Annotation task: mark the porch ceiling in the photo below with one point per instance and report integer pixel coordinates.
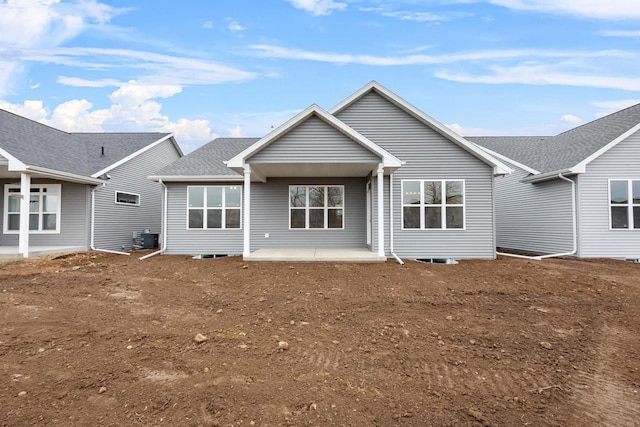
(307, 170)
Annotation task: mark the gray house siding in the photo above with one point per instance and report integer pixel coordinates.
(428, 155)
(533, 218)
(314, 141)
(194, 242)
(73, 217)
(596, 239)
(115, 223)
(270, 214)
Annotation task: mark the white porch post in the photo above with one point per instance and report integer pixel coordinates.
(25, 197)
(246, 251)
(380, 210)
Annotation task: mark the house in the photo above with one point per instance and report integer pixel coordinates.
(75, 191)
(372, 176)
(576, 193)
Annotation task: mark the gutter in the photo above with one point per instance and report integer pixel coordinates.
(93, 224)
(391, 220)
(553, 175)
(164, 225)
(574, 226)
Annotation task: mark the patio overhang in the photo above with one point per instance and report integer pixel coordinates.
(263, 171)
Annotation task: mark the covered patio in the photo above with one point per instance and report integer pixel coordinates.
(363, 255)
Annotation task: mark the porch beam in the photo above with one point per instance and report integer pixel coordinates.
(380, 185)
(25, 197)
(246, 249)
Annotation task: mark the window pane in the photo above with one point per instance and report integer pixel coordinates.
(297, 197)
(335, 198)
(33, 221)
(432, 192)
(232, 196)
(214, 218)
(298, 218)
(14, 203)
(411, 193)
(619, 192)
(232, 218)
(316, 218)
(214, 197)
(433, 217)
(50, 203)
(196, 197)
(50, 190)
(454, 193)
(619, 217)
(195, 218)
(49, 221)
(34, 204)
(14, 190)
(411, 217)
(636, 217)
(316, 197)
(14, 222)
(455, 217)
(131, 199)
(636, 192)
(335, 218)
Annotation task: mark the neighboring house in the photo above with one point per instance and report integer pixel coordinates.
(74, 191)
(373, 172)
(574, 193)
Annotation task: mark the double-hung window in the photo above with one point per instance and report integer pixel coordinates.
(312, 206)
(624, 203)
(211, 207)
(433, 204)
(44, 208)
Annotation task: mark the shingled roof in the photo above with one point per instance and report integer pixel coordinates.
(39, 145)
(566, 150)
(208, 159)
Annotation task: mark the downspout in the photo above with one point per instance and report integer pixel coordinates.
(391, 220)
(164, 225)
(93, 224)
(575, 230)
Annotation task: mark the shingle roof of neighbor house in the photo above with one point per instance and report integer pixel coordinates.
(563, 151)
(208, 159)
(35, 144)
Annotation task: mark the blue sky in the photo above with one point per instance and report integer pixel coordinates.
(208, 68)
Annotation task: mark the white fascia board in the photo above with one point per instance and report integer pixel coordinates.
(553, 175)
(608, 147)
(14, 164)
(498, 167)
(508, 160)
(137, 153)
(389, 160)
(199, 178)
(64, 176)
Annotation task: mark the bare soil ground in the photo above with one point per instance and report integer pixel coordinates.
(99, 339)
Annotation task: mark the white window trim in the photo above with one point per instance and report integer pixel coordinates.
(115, 198)
(325, 208)
(5, 223)
(444, 205)
(629, 205)
(223, 208)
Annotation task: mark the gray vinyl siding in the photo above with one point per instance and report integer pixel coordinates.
(596, 239)
(115, 223)
(534, 218)
(270, 214)
(74, 206)
(314, 141)
(194, 242)
(428, 155)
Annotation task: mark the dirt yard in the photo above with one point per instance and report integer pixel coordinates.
(99, 339)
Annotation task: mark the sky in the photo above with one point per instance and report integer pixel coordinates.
(229, 68)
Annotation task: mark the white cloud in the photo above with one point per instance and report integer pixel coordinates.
(609, 107)
(612, 33)
(32, 109)
(473, 131)
(235, 26)
(131, 94)
(318, 7)
(79, 82)
(75, 116)
(610, 9)
(543, 75)
(414, 16)
(236, 132)
(571, 119)
(208, 25)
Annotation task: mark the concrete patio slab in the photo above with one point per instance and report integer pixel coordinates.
(315, 255)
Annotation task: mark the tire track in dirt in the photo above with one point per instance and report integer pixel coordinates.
(599, 391)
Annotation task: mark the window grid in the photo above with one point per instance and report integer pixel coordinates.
(223, 208)
(422, 205)
(325, 208)
(44, 209)
(629, 207)
(124, 198)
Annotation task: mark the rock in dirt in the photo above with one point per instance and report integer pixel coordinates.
(283, 345)
(22, 393)
(545, 344)
(475, 413)
(102, 390)
(199, 338)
